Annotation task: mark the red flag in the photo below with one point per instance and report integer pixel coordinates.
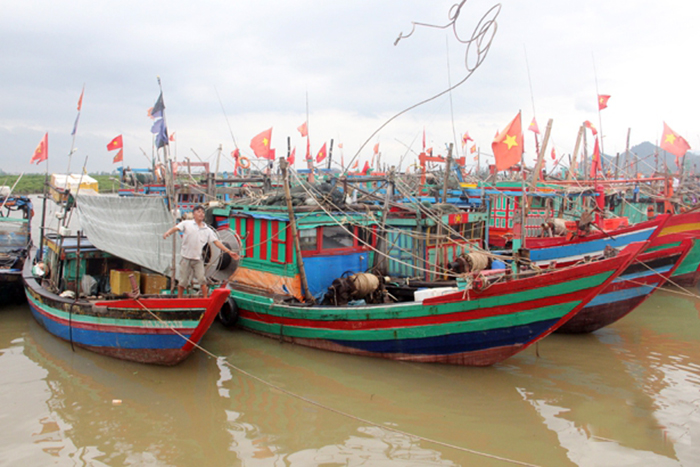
(80, 101)
(340, 145)
(376, 148)
(365, 169)
(673, 142)
(172, 137)
(260, 145)
(466, 138)
(41, 153)
(590, 126)
(119, 157)
(321, 153)
(508, 145)
(473, 149)
(423, 139)
(533, 127)
(602, 101)
(429, 151)
(303, 129)
(355, 165)
(595, 159)
(292, 156)
(554, 155)
(116, 143)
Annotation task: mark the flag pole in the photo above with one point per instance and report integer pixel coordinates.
(600, 118)
(309, 159)
(532, 99)
(75, 129)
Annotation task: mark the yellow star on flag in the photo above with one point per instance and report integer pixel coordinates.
(671, 138)
(510, 141)
(266, 142)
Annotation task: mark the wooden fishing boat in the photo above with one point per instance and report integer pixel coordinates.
(153, 328)
(15, 241)
(673, 247)
(480, 326)
(650, 270)
(279, 283)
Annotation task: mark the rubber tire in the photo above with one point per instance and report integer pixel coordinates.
(228, 314)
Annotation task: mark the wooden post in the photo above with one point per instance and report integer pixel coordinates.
(540, 156)
(380, 258)
(330, 154)
(572, 166)
(448, 166)
(293, 231)
(627, 155)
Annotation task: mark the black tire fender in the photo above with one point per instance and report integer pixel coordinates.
(228, 314)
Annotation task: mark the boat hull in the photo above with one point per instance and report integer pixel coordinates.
(161, 331)
(11, 287)
(639, 280)
(470, 327)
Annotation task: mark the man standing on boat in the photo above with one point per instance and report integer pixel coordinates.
(195, 234)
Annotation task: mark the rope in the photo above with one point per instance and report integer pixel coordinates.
(328, 408)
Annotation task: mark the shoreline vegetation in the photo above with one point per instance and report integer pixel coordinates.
(32, 184)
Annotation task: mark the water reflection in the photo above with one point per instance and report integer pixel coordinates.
(626, 395)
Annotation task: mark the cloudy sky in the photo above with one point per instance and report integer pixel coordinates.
(231, 69)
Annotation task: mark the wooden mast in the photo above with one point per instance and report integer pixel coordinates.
(572, 166)
(293, 231)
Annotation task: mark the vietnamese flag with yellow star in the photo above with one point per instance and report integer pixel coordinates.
(673, 142)
(322, 153)
(260, 145)
(41, 153)
(508, 145)
(116, 143)
(603, 101)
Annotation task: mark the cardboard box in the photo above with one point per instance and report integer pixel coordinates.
(153, 283)
(119, 280)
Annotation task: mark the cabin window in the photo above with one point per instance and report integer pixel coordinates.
(307, 239)
(365, 236)
(538, 202)
(336, 237)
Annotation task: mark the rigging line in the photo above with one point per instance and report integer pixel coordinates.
(481, 38)
(529, 80)
(342, 226)
(342, 413)
(235, 145)
(438, 268)
(449, 85)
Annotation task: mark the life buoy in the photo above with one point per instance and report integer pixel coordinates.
(244, 162)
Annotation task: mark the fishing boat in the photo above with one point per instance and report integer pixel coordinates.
(106, 303)
(654, 267)
(484, 320)
(15, 241)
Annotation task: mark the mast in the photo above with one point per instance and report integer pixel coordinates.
(627, 154)
(448, 164)
(572, 165)
(293, 231)
(540, 156)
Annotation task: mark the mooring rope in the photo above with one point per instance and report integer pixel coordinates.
(326, 407)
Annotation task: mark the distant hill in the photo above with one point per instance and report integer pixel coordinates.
(648, 162)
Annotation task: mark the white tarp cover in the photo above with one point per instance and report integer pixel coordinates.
(131, 228)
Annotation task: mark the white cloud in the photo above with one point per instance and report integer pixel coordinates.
(264, 57)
